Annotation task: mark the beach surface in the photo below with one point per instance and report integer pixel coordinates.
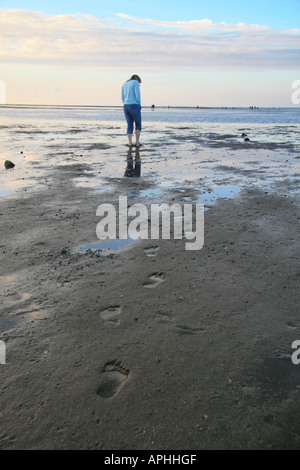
(152, 346)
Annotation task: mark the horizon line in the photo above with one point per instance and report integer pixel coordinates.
(3, 105)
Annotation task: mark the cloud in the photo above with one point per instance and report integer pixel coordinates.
(29, 37)
(194, 25)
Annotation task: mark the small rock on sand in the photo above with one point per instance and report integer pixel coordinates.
(8, 164)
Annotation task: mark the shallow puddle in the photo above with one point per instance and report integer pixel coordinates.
(110, 245)
(17, 298)
(144, 193)
(8, 324)
(16, 320)
(222, 191)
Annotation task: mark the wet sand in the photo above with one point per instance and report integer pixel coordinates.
(151, 347)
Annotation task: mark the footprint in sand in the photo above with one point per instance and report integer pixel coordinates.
(151, 251)
(291, 325)
(186, 329)
(114, 376)
(110, 315)
(154, 280)
(163, 317)
(166, 318)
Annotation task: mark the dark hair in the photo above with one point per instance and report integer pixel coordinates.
(135, 77)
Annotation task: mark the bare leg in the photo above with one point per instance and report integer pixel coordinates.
(137, 137)
(129, 139)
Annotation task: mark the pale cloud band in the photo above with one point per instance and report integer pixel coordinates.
(112, 43)
(195, 26)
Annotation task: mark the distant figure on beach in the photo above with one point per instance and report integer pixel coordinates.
(131, 98)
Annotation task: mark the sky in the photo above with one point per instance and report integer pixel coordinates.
(187, 53)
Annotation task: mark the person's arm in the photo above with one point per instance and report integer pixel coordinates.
(137, 92)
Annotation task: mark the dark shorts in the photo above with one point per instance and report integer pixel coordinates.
(133, 116)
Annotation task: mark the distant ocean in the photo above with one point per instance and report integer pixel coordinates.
(157, 114)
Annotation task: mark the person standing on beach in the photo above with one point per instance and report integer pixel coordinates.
(131, 98)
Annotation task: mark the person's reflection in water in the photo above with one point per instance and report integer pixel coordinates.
(133, 168)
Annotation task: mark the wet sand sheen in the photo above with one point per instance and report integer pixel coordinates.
(153, 346)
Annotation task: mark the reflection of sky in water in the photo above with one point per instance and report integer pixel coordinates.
(219, 192)
(110, 245)
(173, 153)
(144, 193)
